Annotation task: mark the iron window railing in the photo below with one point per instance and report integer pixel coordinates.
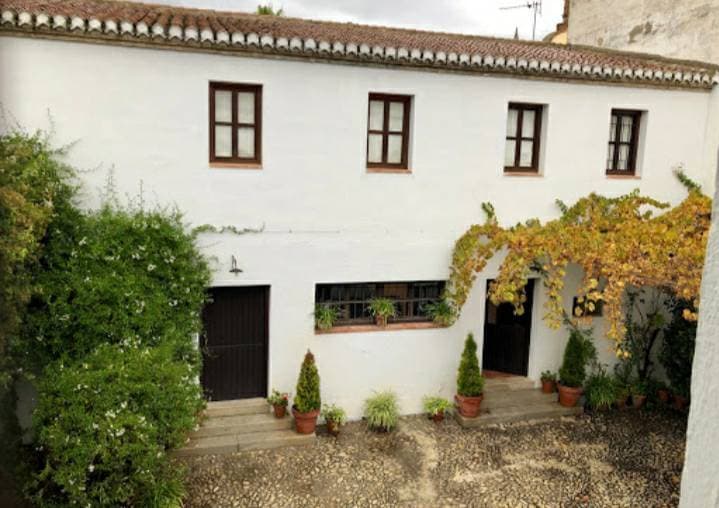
(352, 299)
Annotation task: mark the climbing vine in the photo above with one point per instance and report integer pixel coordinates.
(631, 241)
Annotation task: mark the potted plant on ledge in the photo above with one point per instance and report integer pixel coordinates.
(382, 309)
(549, 381)
(440, 312)
(335, 417)
(325, 316)
(278, 401)
(307, 402)
(470, 383)
(573, 370)
(639, 394)
(436, 407)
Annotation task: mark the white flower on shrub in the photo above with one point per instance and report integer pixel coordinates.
(82, 241)
(151, 267)
(91, 468)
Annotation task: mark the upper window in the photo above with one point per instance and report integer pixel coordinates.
(352, 300)
(388, 131)
(521, 149)
(235, 123)
(623, 142)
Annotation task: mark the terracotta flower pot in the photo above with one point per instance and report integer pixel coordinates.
(680, 402)
(468, 406)
(638, 400)
(569, 396)
(333, 428)
(548, 386)
(380, 321)
(280, 411)
(305, 423)
(438, 417)
(622, 401)
(663, 395)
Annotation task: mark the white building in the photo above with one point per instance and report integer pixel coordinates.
(262, 123)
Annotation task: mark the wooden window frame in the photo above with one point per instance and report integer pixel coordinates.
(234, 123)
(518, 138)
(406, 100)
(633, 143)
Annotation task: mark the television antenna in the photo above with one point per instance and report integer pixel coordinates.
(534, 5)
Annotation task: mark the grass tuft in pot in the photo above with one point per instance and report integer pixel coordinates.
(441, 312)
(382, 309)
(325, 316)
(335, 417)
(382, 411)
(601, 390)
(436, 407)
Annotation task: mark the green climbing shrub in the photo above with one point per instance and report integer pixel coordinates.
(470, 382)
(574, 364)
(307, 392)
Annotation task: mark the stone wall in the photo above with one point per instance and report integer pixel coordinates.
(683, 29)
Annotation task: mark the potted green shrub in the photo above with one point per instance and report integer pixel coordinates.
(382, 309)
(441, 312)
(436, 407)
(601, 390)
(622, 395)
(325, 316)
(307, 402)
(573, 370)
(470, 383)
(549, 381)
(278, 401)
(335, 417)
(639, 394)
(382, 411)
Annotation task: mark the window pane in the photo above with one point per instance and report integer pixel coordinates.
(223, 106)
(610, 157)
(512, 118)
(626, 131)
(528, 123)
(376, 115)
(246, 107)
(623, 163)
(613, 129)
(509, 149)
(246, 142)
(223, 141)
(396, 116)
(525, 154)
(374, 148)
(394, 149)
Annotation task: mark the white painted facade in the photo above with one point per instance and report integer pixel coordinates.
(144, 114)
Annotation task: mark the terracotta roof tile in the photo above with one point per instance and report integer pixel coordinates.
(486, 54)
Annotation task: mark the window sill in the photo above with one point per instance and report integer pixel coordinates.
(623, 177)
(389, 170)
(535, 174)
(422, 325)
(235, 165)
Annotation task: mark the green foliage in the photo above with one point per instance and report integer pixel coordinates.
(441, 312)
(548, 375)
(308, 386)
(34, 187)
(639, 387)
(433, 405)
(268, 10)
(382, 308)
(576, 355)
(677, 354)
(382, 411)
(334, 413)
(113, 276)
(278, 399)
(325, 316)
(601, 390)
(105, 423)
(470, 381)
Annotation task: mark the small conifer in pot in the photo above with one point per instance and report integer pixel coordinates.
(307, 402)
(470, 382)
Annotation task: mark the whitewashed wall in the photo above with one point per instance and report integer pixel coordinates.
(143, 113)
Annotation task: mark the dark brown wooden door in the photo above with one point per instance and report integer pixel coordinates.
(506, 336)
(234, 348)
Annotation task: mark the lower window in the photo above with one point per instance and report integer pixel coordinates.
(352, 300)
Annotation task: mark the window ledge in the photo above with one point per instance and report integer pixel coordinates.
(535, 174)
(235, 165)
(422, 325)
(623, 177)
(389, 170)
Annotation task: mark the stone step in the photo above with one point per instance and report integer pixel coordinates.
(517, 398)
(237, 407)
(241, 424)
(508, 383)
(239, 442)
(516, 414)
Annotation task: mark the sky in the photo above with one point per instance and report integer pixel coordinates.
(477, 17)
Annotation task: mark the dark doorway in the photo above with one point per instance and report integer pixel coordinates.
(506, 336)
(234, 348)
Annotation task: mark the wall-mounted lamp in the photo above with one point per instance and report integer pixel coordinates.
(233, 268)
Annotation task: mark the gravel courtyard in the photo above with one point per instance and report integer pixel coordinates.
(630, 458)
